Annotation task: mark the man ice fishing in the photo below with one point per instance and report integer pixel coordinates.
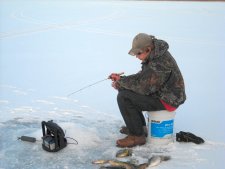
(158, 86)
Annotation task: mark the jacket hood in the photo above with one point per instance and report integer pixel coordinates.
(161, 47)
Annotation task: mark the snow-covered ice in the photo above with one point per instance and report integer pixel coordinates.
(49, 49)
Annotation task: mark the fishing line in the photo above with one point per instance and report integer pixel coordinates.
(87, 87)
(110, 77)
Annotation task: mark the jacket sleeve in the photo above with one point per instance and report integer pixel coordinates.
(145, 82)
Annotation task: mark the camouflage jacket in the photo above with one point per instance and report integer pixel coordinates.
(159, 77)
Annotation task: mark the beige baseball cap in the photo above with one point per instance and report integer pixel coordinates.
(140, 42)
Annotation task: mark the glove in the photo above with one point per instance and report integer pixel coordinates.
(188, 137)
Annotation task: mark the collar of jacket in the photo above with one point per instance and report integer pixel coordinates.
(161, 47)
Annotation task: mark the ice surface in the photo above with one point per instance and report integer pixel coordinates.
(49, 49)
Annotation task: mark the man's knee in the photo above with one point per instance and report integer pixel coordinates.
(123, 94)
(120, 96)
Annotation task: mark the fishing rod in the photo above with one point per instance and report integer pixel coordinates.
(94, 84)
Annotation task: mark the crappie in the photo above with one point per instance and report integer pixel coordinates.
(124, 153)
(126, 165)
(115, 164)
(143, 166)
(156, 160)
(111, 167)
(100, 161)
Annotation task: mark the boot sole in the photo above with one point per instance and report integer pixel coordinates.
(134, 145)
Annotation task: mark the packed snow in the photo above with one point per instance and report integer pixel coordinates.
(49, 49)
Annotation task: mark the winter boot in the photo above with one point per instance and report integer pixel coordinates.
(131, 141)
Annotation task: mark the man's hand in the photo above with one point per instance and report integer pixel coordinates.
(115, 76)
(115, 85)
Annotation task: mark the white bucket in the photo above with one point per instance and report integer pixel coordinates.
(160, 127)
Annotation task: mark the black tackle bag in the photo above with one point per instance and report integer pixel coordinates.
(53, 137)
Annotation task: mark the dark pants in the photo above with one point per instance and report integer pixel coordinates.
(131, 105)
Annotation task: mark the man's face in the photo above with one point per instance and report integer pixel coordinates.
(143, 55)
